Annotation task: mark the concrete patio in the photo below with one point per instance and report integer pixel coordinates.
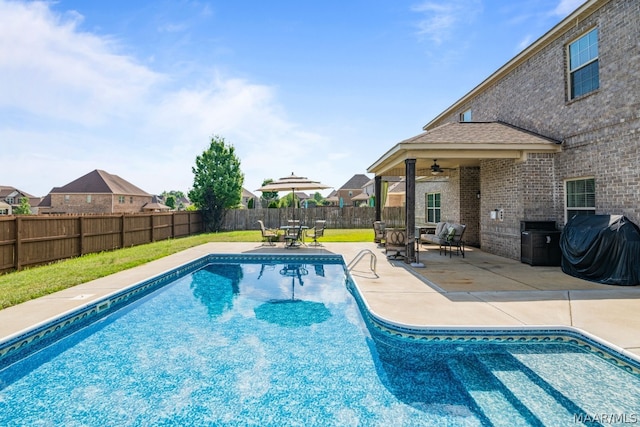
(480, 290)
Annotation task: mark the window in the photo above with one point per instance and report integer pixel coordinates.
(466, 116)
(433, 207)
(131, 199)
(10, 200)
(581, 197)
(88, 198)
(66, 198)
(584, 74)
(120, 199)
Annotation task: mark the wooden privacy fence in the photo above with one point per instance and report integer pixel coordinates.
(336, 217)
(38, 239)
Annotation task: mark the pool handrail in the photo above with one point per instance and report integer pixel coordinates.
(372, 260)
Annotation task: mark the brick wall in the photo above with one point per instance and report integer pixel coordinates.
(99, 203)
(599, 132)
(458, 190)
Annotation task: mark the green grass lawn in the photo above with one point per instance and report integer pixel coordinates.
(21, 286)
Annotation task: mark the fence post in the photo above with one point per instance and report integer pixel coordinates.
(122, 230)
(81, 243)
(18, 246)
(153, 227)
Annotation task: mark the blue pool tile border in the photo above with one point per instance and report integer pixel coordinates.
(31, 340)
(500, 335)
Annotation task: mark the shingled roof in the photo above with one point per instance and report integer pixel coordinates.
(475, 133)
(458, 144)
(356, 182)
(100, 182)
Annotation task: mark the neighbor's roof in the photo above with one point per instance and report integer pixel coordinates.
(6, 190)
(247, 193)
(356, 182)
(155, 205)
(101, 182)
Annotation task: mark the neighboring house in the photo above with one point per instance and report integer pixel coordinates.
(248, 195)
(396, 194)
(10, 198)
(348, 191)
(97, 192)
(156, 205)
(5, 208)
(551, 134)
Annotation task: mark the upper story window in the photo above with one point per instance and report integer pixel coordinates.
(88, 198)
(581, 197)
(466, 116)
(120, 199)
(584, 74)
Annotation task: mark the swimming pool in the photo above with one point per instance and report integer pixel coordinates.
(262, 340)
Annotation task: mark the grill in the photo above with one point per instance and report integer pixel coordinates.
(540, 243)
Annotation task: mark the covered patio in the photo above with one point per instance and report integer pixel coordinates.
(461, 150)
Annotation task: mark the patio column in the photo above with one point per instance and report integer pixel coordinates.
(378, 193)
(410, 207)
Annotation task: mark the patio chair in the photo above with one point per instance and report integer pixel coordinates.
(454, 239)
(293, 234)
(315, 232)
(269, 235)
(395, 240)
(378, 233)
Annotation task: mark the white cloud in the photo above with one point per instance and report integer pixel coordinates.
(565, 7)
(52, 70)
(442, 18)
(82, 104)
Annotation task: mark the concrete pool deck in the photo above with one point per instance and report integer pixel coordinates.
(480, 290)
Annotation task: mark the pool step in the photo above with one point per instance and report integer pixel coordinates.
(489, 394)
(547, 404)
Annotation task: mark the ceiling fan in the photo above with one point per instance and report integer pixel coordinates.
(435, 168)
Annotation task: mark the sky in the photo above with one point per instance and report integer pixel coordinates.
(321, 89)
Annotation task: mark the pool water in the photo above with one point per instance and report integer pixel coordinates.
(285, 343)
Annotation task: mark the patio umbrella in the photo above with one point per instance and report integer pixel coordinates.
(293, 183)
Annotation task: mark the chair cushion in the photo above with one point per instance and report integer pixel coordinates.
(451, 232)
(459, 230)
(442, 229)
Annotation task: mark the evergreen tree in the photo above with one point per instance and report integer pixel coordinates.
(217, 183)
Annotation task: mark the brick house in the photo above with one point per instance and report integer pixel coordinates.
(11, 197)
(352, 188)
(97, 192)
(552, 133)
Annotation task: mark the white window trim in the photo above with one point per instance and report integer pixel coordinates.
(570, 71)
(566, 208)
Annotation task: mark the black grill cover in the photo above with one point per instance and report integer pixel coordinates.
(602, 248)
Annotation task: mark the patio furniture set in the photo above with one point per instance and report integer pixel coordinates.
(395, 240)
(292, 234)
